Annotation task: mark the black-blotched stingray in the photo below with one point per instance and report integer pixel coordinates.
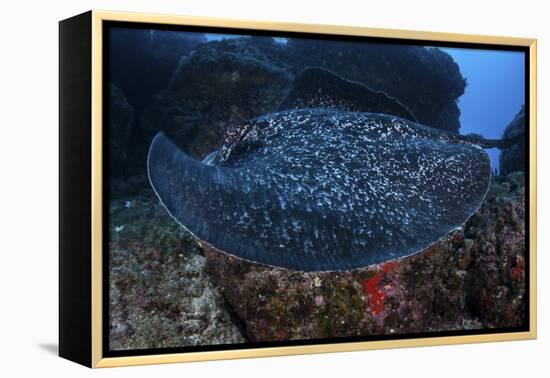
(340, 178)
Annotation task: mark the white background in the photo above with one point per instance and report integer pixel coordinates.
(29, 174)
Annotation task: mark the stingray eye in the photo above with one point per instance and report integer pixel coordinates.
(247, 147)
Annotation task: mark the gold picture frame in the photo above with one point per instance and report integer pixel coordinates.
(90, 328)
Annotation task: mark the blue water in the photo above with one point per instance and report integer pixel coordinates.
(494, 93)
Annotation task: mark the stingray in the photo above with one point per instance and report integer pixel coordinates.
(339, 178)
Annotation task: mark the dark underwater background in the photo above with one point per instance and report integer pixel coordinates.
(168, 291)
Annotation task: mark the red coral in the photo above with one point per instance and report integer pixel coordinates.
(374, 295)
(517, 270)
(388, 266)
(457, 239)
(520, 261)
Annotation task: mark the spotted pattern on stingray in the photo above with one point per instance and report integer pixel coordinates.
(323, 189)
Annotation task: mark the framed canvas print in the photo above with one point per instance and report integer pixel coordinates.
(234, 189)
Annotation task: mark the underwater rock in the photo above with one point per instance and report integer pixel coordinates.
(160, 295)
(142, 61)
(435, 290)
(495, 283)
(237, 79)
(225, 82)
(221, 83)
(121, 119)
(513, 158)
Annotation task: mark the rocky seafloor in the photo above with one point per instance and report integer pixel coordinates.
(168, 291)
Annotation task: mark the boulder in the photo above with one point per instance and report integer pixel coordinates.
(143, 61)
(513, 159)
(196, 91)
(221, 83)
(228, 81)
(159, 294)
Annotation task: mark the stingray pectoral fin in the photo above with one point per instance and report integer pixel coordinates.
(184, 185)
(236, 210)
(318, 87)
(209, 201)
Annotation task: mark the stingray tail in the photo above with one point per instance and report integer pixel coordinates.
(501, 144)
